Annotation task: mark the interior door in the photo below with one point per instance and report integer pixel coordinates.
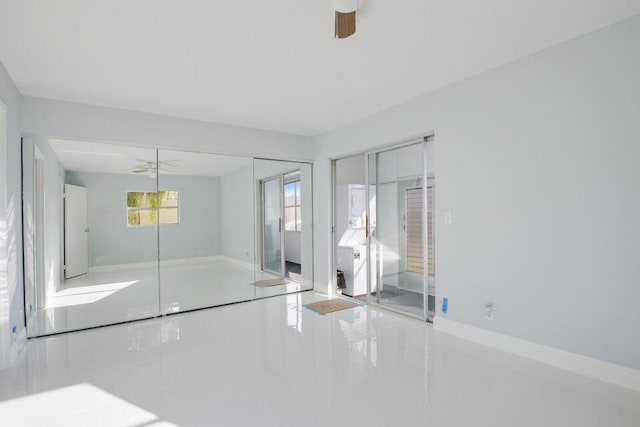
(272, 226)
(396, 274)
(76, 231)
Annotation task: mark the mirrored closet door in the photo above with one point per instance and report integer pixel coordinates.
(115, 233)
(206, 229)
(90, 238)
(283, 212)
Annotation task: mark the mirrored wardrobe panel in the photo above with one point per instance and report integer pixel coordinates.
(90, 238)
(283, 224)
(205, 204)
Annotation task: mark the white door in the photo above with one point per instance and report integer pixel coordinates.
(76, 231)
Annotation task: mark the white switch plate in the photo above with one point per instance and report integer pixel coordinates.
(448, 218)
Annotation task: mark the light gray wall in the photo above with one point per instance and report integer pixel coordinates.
(198, 234)
(538, 161)
(236, 213)
(350, 170)
(111, 240)
(78, 121)
(292, 248)
(53, 181)
(11, 290)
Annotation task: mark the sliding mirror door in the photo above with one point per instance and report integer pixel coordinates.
(283, 224)
(90, 235)
(205, 210)
(399, 270)
(272, 232)
(115, 233)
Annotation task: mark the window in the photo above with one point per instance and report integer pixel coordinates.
(146, 208)
(292, 210)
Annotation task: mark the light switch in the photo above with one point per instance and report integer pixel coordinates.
(448, 218)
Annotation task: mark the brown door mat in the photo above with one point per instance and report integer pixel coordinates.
(330, 305)
(270, 282)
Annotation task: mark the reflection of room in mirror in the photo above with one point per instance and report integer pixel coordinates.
(134, 232)
(206, 259)
(89, 267)
(283, 212)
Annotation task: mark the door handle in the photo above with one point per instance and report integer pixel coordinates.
(366, 226)
(279, 225)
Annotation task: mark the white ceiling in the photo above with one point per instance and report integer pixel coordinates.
(81, 156)
(274, 64)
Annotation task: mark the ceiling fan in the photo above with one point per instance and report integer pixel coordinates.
(347, 13)
(152, 167)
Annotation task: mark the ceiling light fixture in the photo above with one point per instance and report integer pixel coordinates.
(347, 12)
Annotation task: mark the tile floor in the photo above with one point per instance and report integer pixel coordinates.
(272, 362)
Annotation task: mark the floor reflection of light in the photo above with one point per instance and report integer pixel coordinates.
(360, 336)
(87, 294)
(144, 336)
(294, 312)
(76, 405)
(4, 286)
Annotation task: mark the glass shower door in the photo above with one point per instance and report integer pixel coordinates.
(397, 277)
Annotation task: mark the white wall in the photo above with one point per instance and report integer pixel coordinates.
(11, 291)
(236, 214)
(538, 161)
(113, 242)
(62, 119)
(292, 250)
(350, 170)
(53, 177)
(198, 234)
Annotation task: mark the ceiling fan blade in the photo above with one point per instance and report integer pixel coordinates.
(140, 170)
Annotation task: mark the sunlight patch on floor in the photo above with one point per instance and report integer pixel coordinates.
(87, 294)
(76, 405)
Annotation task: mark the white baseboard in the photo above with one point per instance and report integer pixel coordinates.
(120, 267)
(238, 262)
(583, 365)
(154, 264)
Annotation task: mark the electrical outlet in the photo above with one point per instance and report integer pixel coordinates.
(98, 260)
(489, 311)
(448, 218)
(14, 329)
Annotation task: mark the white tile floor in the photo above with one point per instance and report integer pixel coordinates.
(108, 297)
(273, 363)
